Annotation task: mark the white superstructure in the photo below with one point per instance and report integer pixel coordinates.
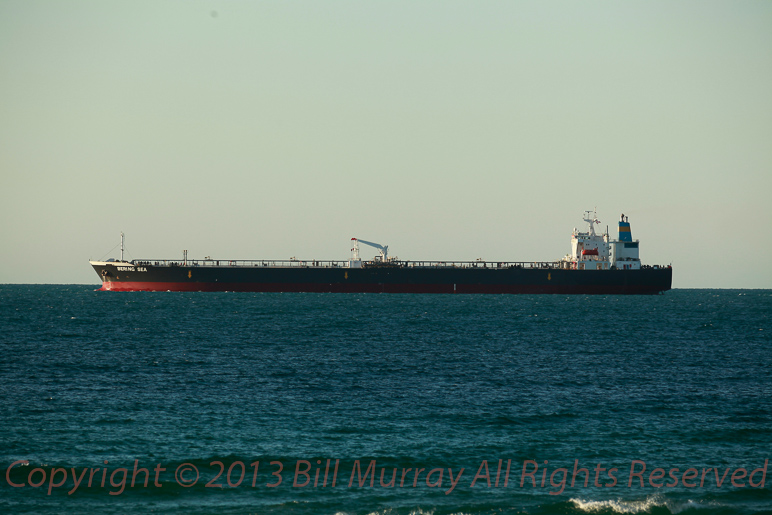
(592, 251)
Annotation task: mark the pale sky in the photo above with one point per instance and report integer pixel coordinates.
(446, 130)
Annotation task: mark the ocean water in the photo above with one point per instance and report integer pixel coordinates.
(244, 402)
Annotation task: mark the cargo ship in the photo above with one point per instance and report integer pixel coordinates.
(595, 265)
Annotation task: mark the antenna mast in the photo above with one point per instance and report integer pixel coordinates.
(121, 245)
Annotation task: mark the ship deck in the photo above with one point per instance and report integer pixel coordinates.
(297, 263)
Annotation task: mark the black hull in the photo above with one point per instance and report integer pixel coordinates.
(383, 279)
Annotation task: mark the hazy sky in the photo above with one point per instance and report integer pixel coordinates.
(446, 130)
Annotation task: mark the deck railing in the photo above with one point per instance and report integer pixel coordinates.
(482, 264)
(297, 263)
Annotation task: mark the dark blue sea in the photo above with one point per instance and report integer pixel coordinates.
(384, 404)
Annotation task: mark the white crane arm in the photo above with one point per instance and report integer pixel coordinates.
(384, 249)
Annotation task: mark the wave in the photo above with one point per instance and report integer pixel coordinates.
(654, 504)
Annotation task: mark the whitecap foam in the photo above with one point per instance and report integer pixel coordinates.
(617, 506)
(638, 506)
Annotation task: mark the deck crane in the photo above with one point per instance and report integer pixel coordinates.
(383, 249)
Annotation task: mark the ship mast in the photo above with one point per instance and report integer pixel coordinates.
(121, 246)
(591, 220)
